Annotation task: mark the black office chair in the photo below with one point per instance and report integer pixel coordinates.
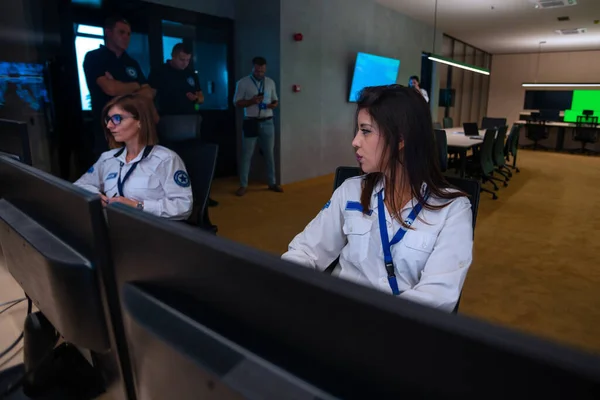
(586, 131)
(499, 159)
(343, 173)
(177, 128)
(492, 123)
(535, 133)
(512, 146)
(473, 189)
(448, 123)
(483, 166)
(442, 146)
(200, 160)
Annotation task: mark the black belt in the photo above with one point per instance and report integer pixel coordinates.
(260, 119)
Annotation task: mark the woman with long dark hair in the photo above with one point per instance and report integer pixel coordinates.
(399, 227)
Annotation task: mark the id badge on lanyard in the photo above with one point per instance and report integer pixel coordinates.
(387, 244)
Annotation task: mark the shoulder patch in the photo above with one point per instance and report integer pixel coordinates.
(190, 81)
(131, 72)
(326, 205)
(91, 170)
(182, 179)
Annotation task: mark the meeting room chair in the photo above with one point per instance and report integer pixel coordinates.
(512, 146)
(448, 123)
(499, 158)
(585, 132)
(536, 132)
(177, 128)
(483, 166)
(492, 123)
(442, 147)
(200, 160)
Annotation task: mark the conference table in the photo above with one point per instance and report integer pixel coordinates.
(459, 143)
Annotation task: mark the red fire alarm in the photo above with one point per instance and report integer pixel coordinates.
(296, 88)
(298, 37)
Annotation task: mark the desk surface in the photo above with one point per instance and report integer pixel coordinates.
(456, 138)
(558, 124)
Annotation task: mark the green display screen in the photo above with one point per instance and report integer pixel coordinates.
(583, 100)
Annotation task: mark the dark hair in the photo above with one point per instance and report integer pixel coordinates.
(259, 61)
(112, 21)
(140, 107)
(402, 115)
(180, 48)
(416, 78)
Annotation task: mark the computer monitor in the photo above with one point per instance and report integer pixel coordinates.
(40, 209)
(550, 115)
(202, 313)
(14, 139)
(471, 129)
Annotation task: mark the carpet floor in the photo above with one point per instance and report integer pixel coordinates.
(535, 265)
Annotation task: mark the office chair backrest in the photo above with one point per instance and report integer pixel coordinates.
(471, 129)
(492, 123)
(512, 142)
(14, 140)
(448, 123)
(499, 146)
(472, 188)
(442, 148)
(487, 152)
(200, 161)
(177, 128)
(343, 173)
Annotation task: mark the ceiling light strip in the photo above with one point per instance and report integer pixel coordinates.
(561, 85)
(453, 63)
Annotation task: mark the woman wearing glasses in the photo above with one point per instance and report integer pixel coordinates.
(136, 171)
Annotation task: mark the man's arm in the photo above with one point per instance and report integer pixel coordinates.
(146, 91)
(274, 98)
(238, 97)
(113, 87)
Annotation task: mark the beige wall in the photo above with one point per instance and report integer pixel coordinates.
(511, 70)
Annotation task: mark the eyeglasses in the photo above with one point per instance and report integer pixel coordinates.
(116, 118)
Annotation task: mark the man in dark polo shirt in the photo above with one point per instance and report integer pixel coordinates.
(177, 87)
(110, 72)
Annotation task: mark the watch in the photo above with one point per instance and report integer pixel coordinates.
(140, 205)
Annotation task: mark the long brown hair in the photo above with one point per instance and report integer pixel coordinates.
(402, 115)
(140, 108)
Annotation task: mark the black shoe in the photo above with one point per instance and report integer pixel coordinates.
(276, 188)
(212, 203)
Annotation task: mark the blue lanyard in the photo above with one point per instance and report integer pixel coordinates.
(262, 84)
(121, 183)
(385, 242)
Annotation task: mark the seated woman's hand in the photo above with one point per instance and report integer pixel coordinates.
(123, 200)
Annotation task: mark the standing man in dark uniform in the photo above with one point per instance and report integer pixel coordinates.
(110, 72)
(178, 89)
(177, 86)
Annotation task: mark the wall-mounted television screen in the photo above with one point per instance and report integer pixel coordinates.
(22, 89)
(583, 100)
(372, 70)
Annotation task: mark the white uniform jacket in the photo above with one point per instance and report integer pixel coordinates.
(160, 181)
(430, 263)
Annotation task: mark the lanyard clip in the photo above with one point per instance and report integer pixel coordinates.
(389, 267)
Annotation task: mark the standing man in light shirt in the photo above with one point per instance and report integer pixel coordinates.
(257, 95)
(413, 82)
